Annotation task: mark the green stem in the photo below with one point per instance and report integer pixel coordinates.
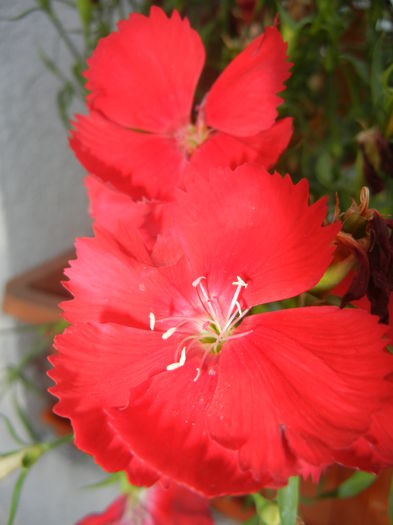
(16, 495)
(63, 34)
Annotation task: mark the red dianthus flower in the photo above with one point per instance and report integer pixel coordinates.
(167, 370)
(139, 134)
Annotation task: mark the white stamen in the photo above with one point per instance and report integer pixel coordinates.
(240, 282)
(168, 333)
(238, 307)
(207, 302)
(197, 375)
(152, 320)
(180, 363)
(197, 281)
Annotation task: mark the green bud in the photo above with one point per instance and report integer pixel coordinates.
(10, 462)
(270, 515)
(333, 275)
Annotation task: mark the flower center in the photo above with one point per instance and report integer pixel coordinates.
(192, 136)
(208, 331)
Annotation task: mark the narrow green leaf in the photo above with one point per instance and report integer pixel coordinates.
(358, 482)
(51, 66)
(24, 420)
(287, 499)
(44, 4)
(12, 432)
(108, 480)
(377, 93)
(21, 15)
(16, 495)
(390, 503)
(64, 99)
(85, 11)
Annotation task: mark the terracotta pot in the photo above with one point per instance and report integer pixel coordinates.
(33, 296)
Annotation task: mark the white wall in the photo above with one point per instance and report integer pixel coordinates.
(42, 209)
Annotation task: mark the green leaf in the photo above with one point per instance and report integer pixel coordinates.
(361, 67)
(108, 480)
(377, 92)
(64, 99)
(390, 503)
(358, 482)
(11, 430)
(21, 15)
(288, 498)
(24, 420)
(351, 487)
(323, 169)
(16, 495)
(85, 11)
(51, 66)
(44, 4)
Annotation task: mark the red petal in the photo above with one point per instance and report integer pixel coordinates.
(374, 451)
(144, 76)
(109, 285)
(115, 211)
(111, 516)
(243, 101)
(178, 505)
(222, 150)
(305, 382)
(94, 368)
(259, 226)
(103, 361)
(165, 423)
(140, 163)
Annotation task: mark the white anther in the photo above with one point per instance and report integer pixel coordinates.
(152, 318)
(240, 282)
(197, 281)
(180, 363)
(168, 333)
(198, 370)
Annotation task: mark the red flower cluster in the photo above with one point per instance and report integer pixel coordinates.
(139, 134)
(174, 366)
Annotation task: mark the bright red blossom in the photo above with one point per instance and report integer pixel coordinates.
(165, 372)
(139, 134)
(372, 451)
(159, 505)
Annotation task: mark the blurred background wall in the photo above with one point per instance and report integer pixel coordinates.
(43, 208)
